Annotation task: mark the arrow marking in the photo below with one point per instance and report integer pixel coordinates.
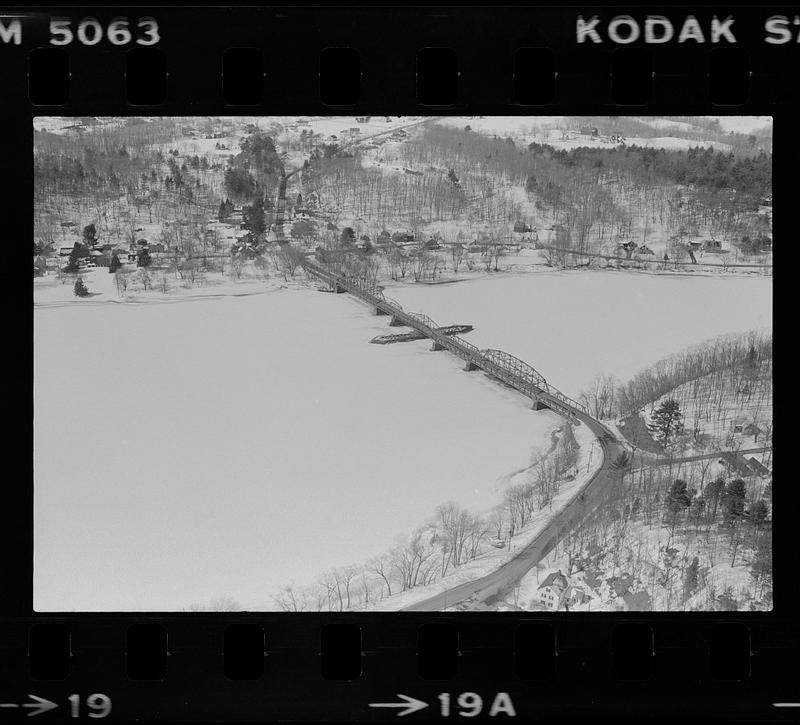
(40, 705)
(410, 705)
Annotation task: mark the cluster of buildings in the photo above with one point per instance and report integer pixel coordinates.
(90, 256)
(559, 593)
(556, 592)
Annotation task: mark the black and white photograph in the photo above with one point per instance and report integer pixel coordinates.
(416, 363)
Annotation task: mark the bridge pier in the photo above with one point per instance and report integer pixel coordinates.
(538, 405)
(470, 366)
(394, 322)
(435, 347)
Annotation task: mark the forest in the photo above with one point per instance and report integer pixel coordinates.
(459, 199)
(682, 539)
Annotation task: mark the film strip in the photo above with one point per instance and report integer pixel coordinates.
(209, 155)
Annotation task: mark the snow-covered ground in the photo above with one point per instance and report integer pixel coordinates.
(226, 447)
(645, 558)
(574, 325)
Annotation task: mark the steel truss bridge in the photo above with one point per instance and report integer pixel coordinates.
(501, 365)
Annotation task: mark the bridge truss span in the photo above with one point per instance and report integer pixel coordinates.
(424, 320)
(526, 373)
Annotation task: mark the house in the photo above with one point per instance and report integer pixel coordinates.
(752, 430)
(100, 259)
(757, 467)
(736, 463)
(712, 245)
(575, 594)
(551, 590)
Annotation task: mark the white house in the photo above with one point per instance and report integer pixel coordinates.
(550, 591)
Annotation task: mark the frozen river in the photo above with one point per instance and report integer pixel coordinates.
(573, 325)
(224, 448)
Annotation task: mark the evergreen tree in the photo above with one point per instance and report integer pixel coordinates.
(690, 578)
(253, 217)
(79, 290)
(90, 234)
(143, 258)
(733, 501)
(74, 256)
(757, 513)
(713, 494)
(115, 264)
(667, 422)
(678, 497)
(348, 236)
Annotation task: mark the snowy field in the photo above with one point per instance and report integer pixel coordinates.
(225, 447)
(572, 325)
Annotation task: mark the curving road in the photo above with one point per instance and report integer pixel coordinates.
(502, 579)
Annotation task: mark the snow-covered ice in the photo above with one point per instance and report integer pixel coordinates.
(573, 325)
(225, 447)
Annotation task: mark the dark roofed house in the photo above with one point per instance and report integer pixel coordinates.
(758, 467)
(101, 259)
(552, 588)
